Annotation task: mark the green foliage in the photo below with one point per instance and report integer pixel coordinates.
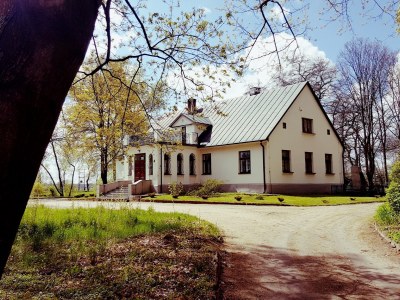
(259, 197)
(395, 171)
(238, 198)
(104, 109)
(38, 190)
(393, 192)
(53, 191)
(176, 189)
(385, 215)
(209, 187)
(389, 221)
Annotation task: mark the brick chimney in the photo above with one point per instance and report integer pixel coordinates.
(255, 90)
(191, 105)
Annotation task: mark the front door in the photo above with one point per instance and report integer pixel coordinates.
(140, 166)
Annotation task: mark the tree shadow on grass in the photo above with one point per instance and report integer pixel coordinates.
(273, 273)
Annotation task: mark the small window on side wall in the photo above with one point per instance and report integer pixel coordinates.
(284, 125)
(167, 164)
(150, 164)
(307, 125)
(179, 161)
(192, 164)
(207, 164)
(328, 132)
(328, 164)
(308, 157)
(286, 161)
(244, 162)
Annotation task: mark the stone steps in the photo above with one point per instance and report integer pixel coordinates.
(119, 193)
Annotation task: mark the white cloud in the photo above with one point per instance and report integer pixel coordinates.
(263, 62)
(206, 10)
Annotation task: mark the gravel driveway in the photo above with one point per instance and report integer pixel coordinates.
(277, 252)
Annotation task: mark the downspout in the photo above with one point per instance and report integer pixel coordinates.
(264, 178)
(343, 172)
(161, 171)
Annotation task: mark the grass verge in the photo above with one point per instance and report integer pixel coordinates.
(267, 199)
(388, 221)
(98, 253)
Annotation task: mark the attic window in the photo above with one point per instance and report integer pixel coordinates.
(307, 125)
(284, 125)
(328, 132)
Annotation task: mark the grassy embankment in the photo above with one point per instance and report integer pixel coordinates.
(272, 199)
(388, 222)
(100, 253)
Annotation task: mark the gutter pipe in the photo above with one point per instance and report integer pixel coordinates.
(264, 178)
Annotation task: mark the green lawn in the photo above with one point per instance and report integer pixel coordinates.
(272, 199)
(98, 253)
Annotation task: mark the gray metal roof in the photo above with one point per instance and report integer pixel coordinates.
(246, 118)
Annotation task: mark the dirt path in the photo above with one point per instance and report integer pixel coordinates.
(300, 253)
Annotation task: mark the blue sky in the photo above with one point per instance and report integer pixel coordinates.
(330, 37)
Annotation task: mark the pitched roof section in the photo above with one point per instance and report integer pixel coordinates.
(243, 119)
(251, 118)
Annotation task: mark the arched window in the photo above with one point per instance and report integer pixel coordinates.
(150, 164)
(167, 164)
(179, 161)
(192, 164)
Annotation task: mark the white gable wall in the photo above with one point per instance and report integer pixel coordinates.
(292, 138)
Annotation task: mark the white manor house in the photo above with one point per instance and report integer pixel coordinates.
(276, 141)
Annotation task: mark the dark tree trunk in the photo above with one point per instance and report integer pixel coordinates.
(104, 165)
(42, 45)
(87, 181)
(72, 180)
(60, 188)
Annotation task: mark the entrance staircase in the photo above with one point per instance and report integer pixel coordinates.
(119, 193)
(124, 190)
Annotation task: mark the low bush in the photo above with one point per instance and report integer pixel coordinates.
(385, 215)
(176, 189)
(209, 187)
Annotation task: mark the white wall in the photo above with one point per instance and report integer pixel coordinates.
(292, 138)
(225, 163)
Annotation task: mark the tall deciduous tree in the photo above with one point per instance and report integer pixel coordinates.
(318, 71)
(364, 69)
(104, 109)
